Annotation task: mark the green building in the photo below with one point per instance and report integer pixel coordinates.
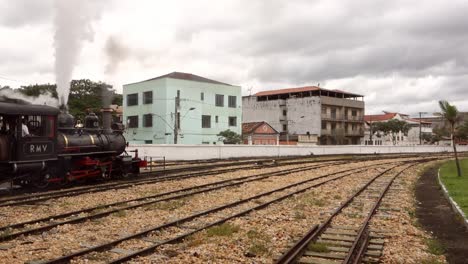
(180, 108)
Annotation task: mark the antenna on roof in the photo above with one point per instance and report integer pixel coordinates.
(250, 90)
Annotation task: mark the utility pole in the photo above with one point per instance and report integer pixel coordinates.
(176, 117)
(420, 132)
(371, 132)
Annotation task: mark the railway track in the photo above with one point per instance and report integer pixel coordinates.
(40, 197)
(342, 241)
(44, 196)
(194, 223)
(46, 223)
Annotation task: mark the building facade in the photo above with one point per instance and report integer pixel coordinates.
(309, 115)
(180, 108)
(417, 129)
(259, 133)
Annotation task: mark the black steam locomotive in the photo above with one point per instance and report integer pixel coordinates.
(40, 145)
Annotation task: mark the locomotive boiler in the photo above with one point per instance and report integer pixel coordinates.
(40, 145)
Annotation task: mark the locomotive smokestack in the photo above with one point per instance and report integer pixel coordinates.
(106, 118)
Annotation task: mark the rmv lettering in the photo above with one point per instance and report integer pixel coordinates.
(37, 148)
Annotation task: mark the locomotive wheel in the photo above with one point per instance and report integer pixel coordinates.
(42, 181)
(127, 175)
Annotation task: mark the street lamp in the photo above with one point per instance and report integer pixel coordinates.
(177, 123)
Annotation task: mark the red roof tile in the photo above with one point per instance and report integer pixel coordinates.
(379, 118)
(249, 127)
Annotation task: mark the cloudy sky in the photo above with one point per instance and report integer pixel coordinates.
(402, 55)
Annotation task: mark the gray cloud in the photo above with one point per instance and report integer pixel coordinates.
(19, 13)
(401, 55)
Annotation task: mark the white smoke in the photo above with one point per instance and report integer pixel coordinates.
(72, 27)
(116, 53)
(43, 99)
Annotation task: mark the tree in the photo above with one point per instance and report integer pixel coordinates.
(462, 131)
(392, 128)
(451, 114)
(38, 89)
(230, 137)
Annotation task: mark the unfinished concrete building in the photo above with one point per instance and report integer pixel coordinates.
(309, 115)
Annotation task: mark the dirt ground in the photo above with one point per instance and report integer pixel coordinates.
(435, 215)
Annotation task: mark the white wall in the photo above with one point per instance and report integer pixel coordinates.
(194, 152)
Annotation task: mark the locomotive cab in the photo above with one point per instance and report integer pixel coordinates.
(27, 139)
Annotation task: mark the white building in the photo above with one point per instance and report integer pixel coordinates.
(308, 115)
(411, 138)
(180, 108)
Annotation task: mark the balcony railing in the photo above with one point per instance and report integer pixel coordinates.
(357, 132)
(339, 117)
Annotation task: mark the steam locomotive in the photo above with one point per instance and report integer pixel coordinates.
(40, 145)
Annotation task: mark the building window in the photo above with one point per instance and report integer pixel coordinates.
(285, 112)
(132, 99)
(333, 113)
(216, 119)
(148, 97)
(354, 113)
(324, 124)
(206, 121)
(148, 120)
(219, 100)
(333, 126)
(202, 96)
(132, 121)
(324, 110)
(233, 121)
(285, 127)
(232, 101)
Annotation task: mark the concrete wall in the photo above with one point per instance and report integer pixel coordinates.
(193, 152)
(326, 100)
(302, 114)
(268, 111)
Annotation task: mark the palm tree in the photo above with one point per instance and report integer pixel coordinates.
(451, 114)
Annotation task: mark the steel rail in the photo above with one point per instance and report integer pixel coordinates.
(354, 252)
(298, 249)
(110, 244)
(150, 249)
(31, 199)
(184, 192)
(294, 160)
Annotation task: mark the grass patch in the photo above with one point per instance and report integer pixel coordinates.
(456, 186)
(435, 247)
(259, 243)
(299, 215)
(318, 247)
(167, 206)
(195, 240)
(258, 248)
(432, 260)
(222, 230)
(310, 199)
(6, 232)
(120, 213)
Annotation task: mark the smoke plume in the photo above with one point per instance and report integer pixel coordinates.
(13, 96)
(116, 53)
(72, 27)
